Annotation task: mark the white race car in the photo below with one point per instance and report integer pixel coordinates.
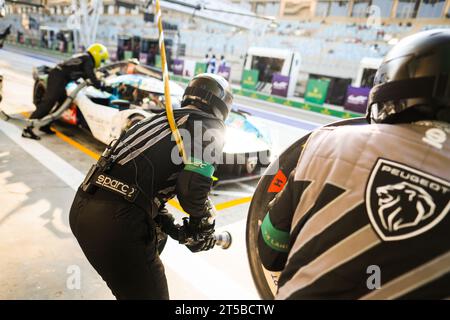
(139, 93)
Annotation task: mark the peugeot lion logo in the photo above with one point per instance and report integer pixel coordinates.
(403, 205)
(404, 202)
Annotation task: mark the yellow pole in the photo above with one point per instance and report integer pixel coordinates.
(165, 72)
(169, 109)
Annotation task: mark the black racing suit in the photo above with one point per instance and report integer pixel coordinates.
(4, 34)
(118, 236)
(79, 66)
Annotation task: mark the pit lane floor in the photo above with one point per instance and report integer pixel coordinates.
(38, 254)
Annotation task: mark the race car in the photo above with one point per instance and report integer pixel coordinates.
(137, 93)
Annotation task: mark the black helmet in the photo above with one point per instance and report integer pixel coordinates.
(211, 93)
(413, 81)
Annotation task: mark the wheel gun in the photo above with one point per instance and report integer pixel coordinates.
(181, 233)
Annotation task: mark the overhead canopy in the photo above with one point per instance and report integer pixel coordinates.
(221, 11)
(32, 3)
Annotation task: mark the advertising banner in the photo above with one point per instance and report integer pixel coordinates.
(113, 55)
(280, 85)
(143, 57)
(316, 90)
(128, 55)
(356, 99)
(225, 71)
(178, 66)
(250, 79)
(200, 67)
(158, 62)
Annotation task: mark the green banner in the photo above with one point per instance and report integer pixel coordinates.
(200, 67)
(250, 79)
(316, 90)
(70, 47)
(127, 55)
(158, 63)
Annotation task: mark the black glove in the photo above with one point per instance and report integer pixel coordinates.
(200, 234)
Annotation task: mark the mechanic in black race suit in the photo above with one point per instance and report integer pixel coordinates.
(4, 34)
(116, 228)
(79, 66)
(365, 214)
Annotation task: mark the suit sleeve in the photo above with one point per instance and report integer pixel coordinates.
(274, 234)
(193, 186)
(196, 179)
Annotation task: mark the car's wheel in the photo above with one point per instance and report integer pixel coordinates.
(39, 90)
(272, 182)
(267, 282)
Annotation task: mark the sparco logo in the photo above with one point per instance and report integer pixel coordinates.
(403, 202)
(116, 185)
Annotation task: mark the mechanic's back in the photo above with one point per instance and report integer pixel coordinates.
(81, 65)
(379, 205)
(367, 206)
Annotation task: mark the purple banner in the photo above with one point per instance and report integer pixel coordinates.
(178, 67)
(280, 85)
(113, 55)
(356, 99)
(225, 71)
(143, 57)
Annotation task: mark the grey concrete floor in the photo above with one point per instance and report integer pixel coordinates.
(36, 246)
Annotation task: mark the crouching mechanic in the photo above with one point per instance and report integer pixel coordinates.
(365, 214)
(79, 66)
(113, 213)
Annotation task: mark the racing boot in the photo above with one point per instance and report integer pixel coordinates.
(28, 133)
(46, 129)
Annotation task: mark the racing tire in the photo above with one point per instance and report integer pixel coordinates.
(39, 90)
(266, 282)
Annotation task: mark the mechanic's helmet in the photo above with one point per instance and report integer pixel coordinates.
(210, 93)
(99, 53)
(413, 81)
